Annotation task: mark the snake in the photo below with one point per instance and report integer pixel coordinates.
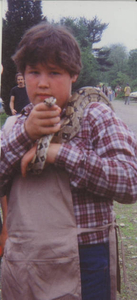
(70, 125)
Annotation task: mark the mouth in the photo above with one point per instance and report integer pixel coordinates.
(43, 96)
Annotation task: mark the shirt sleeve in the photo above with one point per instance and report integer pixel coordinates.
(12, 92)
(14, 144)
(108, 168)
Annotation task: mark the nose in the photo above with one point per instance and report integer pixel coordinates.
(43, 81)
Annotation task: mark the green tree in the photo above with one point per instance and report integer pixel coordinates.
(87, 33)
(132, 64)
(78, 29)
(103, 58)
(121, 79)
(89, 73)
(119, 57)
(21, 15)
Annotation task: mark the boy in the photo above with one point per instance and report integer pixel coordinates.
(94, 167)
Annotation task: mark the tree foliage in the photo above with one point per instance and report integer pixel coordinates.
(87, 33)
(121, 79)
(119, 56)
(117, 73)
(124, 68)
(89, 72)
(103, 58)
(20, 16)
(132, 64)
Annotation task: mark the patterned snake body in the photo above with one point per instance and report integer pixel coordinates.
(37, 164)
(70, 124)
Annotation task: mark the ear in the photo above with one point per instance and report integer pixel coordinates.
(74, 78)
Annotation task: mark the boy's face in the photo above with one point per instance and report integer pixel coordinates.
(45, 81)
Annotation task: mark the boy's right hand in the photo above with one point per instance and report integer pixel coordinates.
(42, 121)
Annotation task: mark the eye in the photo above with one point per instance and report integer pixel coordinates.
(34, 72)
(55, 73)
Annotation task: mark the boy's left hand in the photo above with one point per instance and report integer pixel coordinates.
(27, 159)
(51, 156)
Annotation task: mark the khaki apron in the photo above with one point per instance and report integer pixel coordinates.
(41, 259)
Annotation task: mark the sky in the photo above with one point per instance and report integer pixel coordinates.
(121, 16)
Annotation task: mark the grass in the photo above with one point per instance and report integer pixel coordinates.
(126, 216)
(3, 118)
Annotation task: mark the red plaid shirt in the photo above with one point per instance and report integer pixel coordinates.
(101, 163)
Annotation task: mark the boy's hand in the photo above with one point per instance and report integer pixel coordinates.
(43, 120)
(27, 159)
(51, 156)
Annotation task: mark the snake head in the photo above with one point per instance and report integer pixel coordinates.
(50, 101)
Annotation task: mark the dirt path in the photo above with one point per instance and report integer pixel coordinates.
(128, 113)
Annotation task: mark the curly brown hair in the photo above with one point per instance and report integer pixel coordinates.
(48, 44)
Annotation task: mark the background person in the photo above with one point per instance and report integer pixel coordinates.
(105, 90)
(127, 91)
(18, 95)
(110, 94)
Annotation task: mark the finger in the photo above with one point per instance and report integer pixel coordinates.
(24, 164)
(44, 107)
(45, 114)
(51, 122)
(45, 130)
(51, 125)
(26, 160)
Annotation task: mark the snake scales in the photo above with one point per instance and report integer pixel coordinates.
(70, 124)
